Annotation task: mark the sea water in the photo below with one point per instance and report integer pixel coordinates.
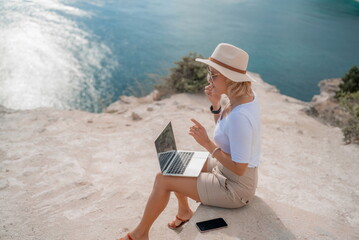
(75, 54)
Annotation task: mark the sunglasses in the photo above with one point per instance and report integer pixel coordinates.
(211, 76)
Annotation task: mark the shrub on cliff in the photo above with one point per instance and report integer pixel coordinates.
(350, 102)
(348, 97)
(350, 83)
(187, 76)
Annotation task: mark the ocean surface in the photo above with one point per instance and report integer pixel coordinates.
(77, 54)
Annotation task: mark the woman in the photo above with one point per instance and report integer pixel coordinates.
(229, 177)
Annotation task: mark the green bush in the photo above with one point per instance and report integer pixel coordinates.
(348, 97)
(350, 82)
(187, 76)
(350, 102)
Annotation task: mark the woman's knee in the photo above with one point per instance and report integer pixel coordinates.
(159, 180)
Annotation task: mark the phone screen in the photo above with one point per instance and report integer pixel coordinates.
(211, 224)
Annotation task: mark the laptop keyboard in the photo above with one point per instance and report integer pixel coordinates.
(181, 161)
(164, 159)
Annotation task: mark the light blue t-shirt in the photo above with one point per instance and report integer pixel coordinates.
(238, 134)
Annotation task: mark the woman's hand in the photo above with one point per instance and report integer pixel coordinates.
(212, 96)
(199, 133)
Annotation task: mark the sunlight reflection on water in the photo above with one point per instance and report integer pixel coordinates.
(46, 60)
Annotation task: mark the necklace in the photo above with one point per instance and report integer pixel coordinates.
(228, 108)
(240, 98)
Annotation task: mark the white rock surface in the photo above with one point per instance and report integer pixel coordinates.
(78, 175)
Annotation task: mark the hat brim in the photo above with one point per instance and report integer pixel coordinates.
(232, 75)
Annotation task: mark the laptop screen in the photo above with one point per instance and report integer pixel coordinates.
(165, 145)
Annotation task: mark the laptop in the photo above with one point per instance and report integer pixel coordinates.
(175, 162)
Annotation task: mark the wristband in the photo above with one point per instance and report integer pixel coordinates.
(214, 151)
(217, 111)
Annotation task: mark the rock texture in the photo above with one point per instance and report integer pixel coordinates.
(325, 107)
(77, 175)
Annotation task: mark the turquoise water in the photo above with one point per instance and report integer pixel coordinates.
(84, 54)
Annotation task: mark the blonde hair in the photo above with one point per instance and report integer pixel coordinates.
(237, 89)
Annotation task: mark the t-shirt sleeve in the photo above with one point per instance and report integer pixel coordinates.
(240, 134)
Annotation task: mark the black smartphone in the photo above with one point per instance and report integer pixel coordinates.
(211, 224)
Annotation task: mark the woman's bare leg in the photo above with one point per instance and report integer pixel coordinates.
(184, 211)
(159, 198)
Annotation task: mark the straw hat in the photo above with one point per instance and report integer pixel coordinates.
(230, 61)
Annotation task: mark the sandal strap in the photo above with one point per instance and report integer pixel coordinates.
(129, 237)
(181, 219)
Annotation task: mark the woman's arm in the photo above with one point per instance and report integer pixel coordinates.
(226, 159)
(199, 133)
(214, 98)
(216, 116)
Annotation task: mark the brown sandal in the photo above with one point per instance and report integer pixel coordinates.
(180, 225)
(128, 236)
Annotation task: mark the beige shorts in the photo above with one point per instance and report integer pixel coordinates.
(222, 188)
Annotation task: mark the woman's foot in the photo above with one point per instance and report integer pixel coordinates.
(128, 237)
(131, 236)
(181, 219)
